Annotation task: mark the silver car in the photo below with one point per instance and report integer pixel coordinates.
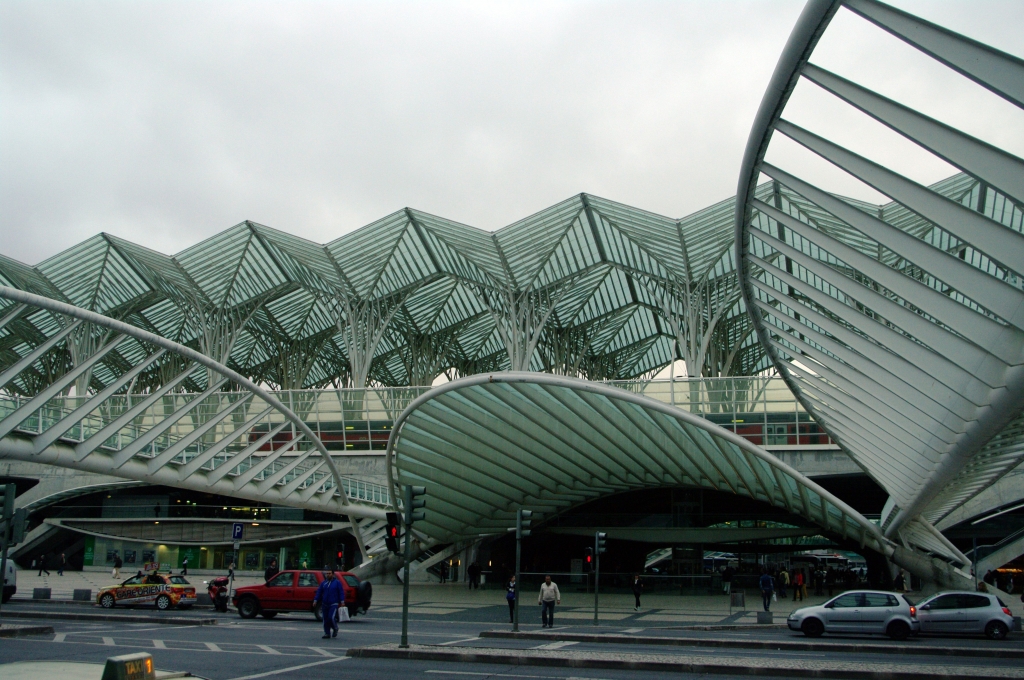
(859, 611)
(965, 612)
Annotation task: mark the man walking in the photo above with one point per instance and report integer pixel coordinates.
(271, 571)
(548, 598)
(117, 566)
(61, 564)
(42, 565)
(330, 595)
(474, 576)
(783, 582)
(767, 588)
(184, 566)
(798, 585)
(638, 589)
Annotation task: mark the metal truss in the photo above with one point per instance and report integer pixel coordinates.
(487, 445)
(587, 287)
(899, 327)
(222, 440)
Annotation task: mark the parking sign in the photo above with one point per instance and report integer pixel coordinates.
(236, 531)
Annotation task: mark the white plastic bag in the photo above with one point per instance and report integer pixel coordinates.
(775, 597)
(343, 616)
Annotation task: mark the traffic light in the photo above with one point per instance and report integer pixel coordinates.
(523, 522)
(19, 524)
(7, 493)
(412, 502)
(588, 559)
(391, 535)
(599, 542)
(341, 554)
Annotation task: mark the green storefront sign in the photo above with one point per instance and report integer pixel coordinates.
(192, 554)
(305, 546)
(90, 550)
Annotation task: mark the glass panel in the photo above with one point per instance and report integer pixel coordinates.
(283, 580)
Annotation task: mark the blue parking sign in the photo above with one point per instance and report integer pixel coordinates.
(236, 531)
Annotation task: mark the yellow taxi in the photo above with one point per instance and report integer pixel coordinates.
(162, 590)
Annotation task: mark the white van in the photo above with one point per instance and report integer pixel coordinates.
(10, 581)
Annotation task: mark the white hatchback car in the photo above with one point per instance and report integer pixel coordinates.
(859, 611)
(965, 613)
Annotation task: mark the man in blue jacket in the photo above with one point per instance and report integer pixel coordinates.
(330, 595)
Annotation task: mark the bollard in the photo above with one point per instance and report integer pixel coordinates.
(129, 667)
(764, 617)
(737, 600)
(40, 593)
(82, 595)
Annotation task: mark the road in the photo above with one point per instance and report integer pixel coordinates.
(290, 647)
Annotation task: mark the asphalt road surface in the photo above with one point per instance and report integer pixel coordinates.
(290, 646)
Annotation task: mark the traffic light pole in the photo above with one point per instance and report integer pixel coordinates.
(412, 514)
(597, 576)
(6, 522)
(522, 522)
(405, 587)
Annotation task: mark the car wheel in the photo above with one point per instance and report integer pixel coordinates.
(163, 603)
(268, 615)
(898, 630)
(996, 630)
(107, 601)
(317, 613)
(248, 607)
(812, 627)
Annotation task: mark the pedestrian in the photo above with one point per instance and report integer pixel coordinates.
(474, 576)
(271, 571)
(638, 589)
(510, 597)
(767, 588)
(184, 566)
(899, 584)
(329, 595)
(116, 572)
(798, 584)
(63, 562)
(783, 582)
(830, 580)
(727, 575)
(231, 570)
(990, 577)
(444, 571)
(42, 565)
(547, 599)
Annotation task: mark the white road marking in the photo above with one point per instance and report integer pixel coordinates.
(59, 637)
(109, 642)
(633, 630)
(293, 668)
(268, 650)
(159, 644)
(455, 642)
(510, 675)
(212, 646)
(556, 645)
(322, 652)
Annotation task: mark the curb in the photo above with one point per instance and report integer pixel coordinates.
(74, 616)
(20, 631)
(763, 666)
(777, 645)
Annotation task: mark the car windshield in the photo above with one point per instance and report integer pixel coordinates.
(133, 581)
(351, 580)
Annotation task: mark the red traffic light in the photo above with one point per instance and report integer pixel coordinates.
(393, 531)
(589, 559)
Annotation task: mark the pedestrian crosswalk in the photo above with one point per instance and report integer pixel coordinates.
(136, 643)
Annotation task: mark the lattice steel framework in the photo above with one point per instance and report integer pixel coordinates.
(900, 328)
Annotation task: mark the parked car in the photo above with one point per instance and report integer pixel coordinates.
(965, 613)
(859, 611)
(162, 590)
(293, 591)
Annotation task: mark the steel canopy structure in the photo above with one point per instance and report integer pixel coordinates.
(486, 445)
(901, 328)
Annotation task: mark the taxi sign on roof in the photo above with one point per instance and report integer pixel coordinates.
(130, 667)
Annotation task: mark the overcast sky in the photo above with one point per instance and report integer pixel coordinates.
(167, 122)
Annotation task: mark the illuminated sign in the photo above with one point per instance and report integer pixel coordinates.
(130, 667)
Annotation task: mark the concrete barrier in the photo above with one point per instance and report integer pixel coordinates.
(40, 593)
(764, 617)
(82, 595)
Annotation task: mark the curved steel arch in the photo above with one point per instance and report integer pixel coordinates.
(487, 445)
(296, 482)
(902, 332)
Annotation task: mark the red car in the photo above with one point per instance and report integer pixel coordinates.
(293, 591)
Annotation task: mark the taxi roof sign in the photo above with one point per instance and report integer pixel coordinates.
(130, 667)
